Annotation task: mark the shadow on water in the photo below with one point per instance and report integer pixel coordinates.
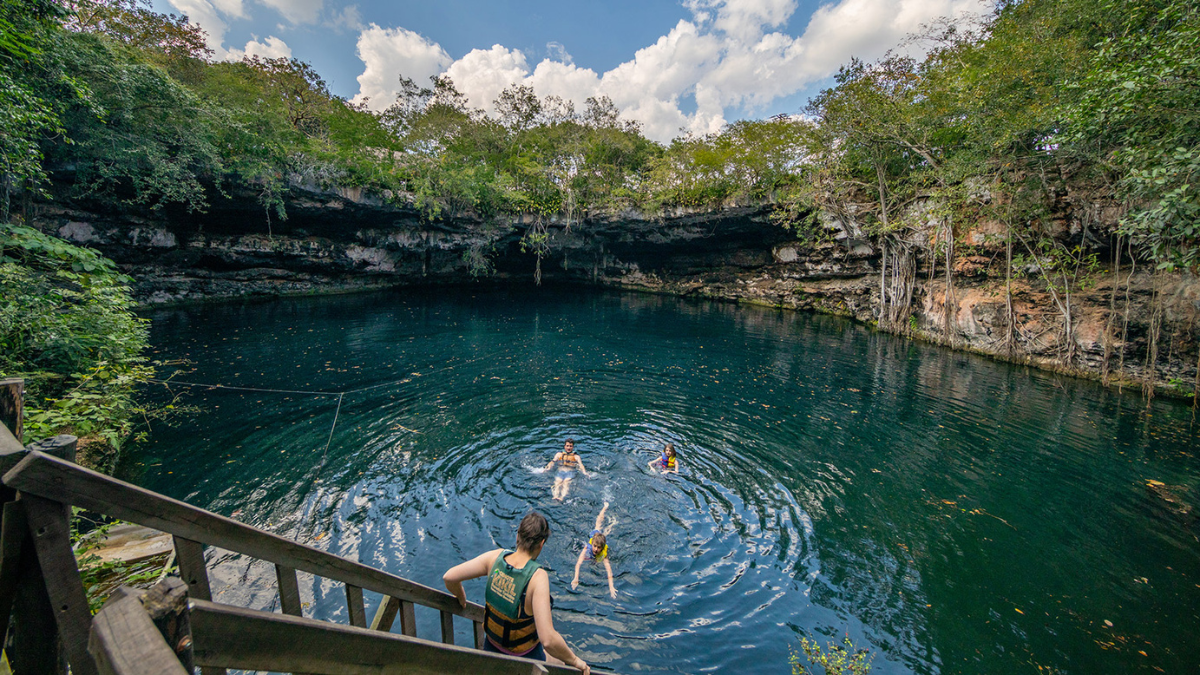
(951, 513)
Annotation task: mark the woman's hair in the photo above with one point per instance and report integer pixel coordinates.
(532, 531)
(598, 543)
(670, 449)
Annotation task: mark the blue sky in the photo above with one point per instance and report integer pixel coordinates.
(674, 65)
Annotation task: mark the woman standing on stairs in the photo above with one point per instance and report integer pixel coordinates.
(517, 620)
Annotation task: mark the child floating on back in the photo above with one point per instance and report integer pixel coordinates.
(597, 550)
(667, 462)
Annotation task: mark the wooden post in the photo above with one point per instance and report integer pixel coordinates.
(13, 530)
(480, 636)
(167, 605)
(385, 616)
(52, 539)
(447, 627)
(190, 556)
(408, 619)
(34, 647)
(194, 572)
(289, 591)
(354, 603)
(12, 409)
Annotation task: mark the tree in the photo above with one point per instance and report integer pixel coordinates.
(518, 107)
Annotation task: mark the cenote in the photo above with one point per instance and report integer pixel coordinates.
(949, 513)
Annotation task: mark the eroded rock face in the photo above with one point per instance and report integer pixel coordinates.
(351, 240)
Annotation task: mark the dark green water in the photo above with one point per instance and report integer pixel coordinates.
(952, 514)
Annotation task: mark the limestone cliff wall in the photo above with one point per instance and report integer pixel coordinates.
(348, 240)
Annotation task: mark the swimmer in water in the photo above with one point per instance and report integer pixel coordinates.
(597, 550)
(568, 461)
(667, 462)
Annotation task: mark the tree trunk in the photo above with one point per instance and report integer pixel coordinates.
(1010, 331)
(1152, 340)
(949, 304)
(882, 279)
(1112, 313)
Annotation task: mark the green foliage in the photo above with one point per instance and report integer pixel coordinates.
(747, 159)
(67, 326)
(833, 658)
(26, 116)
(124, 101)
(1138, 115)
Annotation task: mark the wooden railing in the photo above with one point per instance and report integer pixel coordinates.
(40, 582)
(154, 632)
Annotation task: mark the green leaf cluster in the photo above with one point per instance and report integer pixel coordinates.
(67, 326)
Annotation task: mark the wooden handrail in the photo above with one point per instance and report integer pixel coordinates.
(51, 478)
(234, 637)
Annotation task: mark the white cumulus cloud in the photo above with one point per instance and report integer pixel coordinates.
(272, 48)
(389, 53)
(733, 56)
(483, 74)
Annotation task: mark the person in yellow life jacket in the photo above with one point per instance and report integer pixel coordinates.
(517, 617)
(596, 549)
(568, 461)
(667, 462)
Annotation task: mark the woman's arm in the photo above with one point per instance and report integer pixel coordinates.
(612, 590)
(578, 563)
(472, 569)
(654, 461)
(554, 643)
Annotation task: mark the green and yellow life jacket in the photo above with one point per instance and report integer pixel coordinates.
(506, 622)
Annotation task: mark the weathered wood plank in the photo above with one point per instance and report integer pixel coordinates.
(354, 603)
(385, 615)
(125, 641)
(480, 635)
(12, 405)
(447, 628)
(53, 479)
(52, 540)
(408, 619)
(289, 591)
(234, 637)
(13, 533)
(34, 640)
(192, 568)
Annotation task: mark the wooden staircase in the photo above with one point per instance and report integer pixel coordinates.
(175, 625)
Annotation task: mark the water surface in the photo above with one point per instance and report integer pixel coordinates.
(949, 513)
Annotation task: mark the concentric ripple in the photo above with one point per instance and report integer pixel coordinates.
(948, 513)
